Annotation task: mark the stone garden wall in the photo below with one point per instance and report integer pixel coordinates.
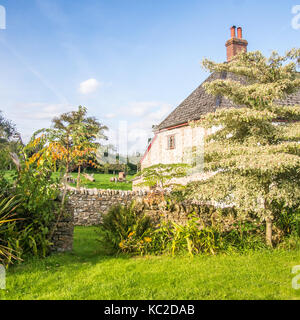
(88, 205)
(63, 235)
(85, 207)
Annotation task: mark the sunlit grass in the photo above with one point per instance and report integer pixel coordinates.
(88, 273)
(102, 181)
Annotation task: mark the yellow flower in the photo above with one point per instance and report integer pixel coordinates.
(121, 244)
(147, 239)
(131, 234)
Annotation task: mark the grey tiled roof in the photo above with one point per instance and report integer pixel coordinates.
(200, 103)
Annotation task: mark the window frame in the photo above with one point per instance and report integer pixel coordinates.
(171, 142)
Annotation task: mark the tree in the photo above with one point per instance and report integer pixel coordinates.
(8, 144)
(7, 129)
(161, 175)
(255, 154)
(82, 133)
(71, 142)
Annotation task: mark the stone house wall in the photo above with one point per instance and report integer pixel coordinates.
(189, 149)
(186, 138)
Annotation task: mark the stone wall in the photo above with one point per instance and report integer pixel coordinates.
(88, 205)
(185, 139)
(63, 235)
(85, 207)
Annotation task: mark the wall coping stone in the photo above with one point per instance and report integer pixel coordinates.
(97, 192)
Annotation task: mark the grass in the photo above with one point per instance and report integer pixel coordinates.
(87, 273)
(102, 181)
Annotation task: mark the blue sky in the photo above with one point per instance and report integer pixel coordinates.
(125, 60)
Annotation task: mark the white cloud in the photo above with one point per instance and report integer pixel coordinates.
(140, 116)
(153, 116)
(89, 86)
(141, 130)
(41, 111)
(109, 116)
(30, 117)
(140, 108)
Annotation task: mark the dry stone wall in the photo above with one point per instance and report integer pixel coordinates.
(86, 207)
(62, 239)
(89, 205)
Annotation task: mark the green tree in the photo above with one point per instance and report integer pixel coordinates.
(7, 129)
(71, 142)
(255, 154)
(8, 145)
(82, 132)
(161, 175)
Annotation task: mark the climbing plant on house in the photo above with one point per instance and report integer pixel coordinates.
(256, 152)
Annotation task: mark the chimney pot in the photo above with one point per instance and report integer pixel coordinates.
(233, 35)
(240, 33)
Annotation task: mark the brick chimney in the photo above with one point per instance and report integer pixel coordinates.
(236, 44)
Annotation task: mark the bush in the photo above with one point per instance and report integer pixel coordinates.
(193, 238)
(28, 234)
(288, 221)
(5, 185)
(198, 238)
(8, 206)
(209, 231)
(291, 242)
(123, 224)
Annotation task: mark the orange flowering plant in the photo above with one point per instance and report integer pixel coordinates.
(71, 143)
(137, 244)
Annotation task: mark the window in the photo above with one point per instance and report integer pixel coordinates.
(171, 142)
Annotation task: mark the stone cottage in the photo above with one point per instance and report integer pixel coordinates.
(174, 138)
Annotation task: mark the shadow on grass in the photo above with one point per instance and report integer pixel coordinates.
(86, 250)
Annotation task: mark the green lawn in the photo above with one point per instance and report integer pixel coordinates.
(87, 273)
(102, 181)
